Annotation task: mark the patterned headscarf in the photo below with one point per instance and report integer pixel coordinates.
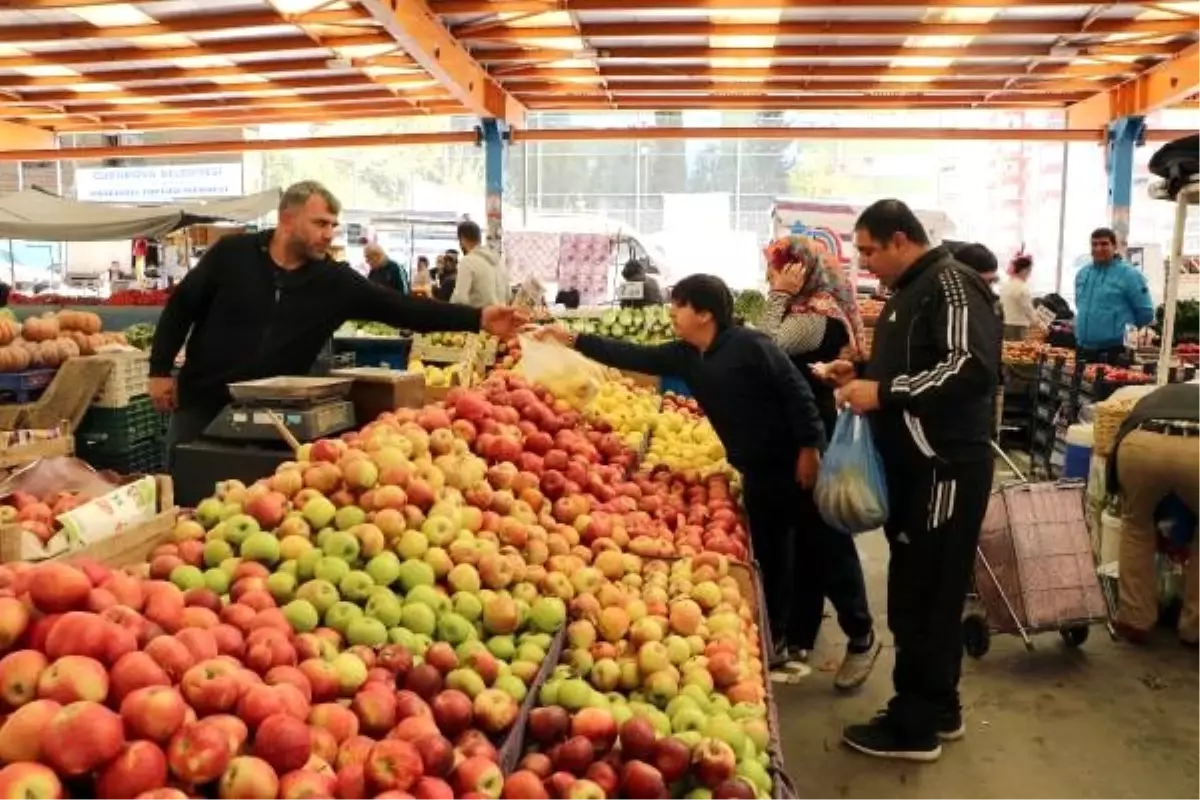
(826, 289)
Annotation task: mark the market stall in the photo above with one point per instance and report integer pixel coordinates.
(487, 554)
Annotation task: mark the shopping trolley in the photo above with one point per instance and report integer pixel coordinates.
(1035, 568)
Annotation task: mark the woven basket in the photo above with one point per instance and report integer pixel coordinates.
(1109, 416)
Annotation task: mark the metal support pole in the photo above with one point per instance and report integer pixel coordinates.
(1186, 195)
(1062, 218)
(495, 137)
(1125, 135)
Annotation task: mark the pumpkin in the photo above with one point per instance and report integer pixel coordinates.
(8, 359)
(41, 329)
(67, 348)
(92, 322)
(9, 330)
(49, 353)
(20, 357)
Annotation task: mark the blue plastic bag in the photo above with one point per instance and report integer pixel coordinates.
(851, 491)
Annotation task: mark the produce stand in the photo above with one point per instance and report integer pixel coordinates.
(18, 448)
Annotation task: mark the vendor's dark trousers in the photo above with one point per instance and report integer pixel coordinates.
(187, 423)
(803, 561)
(1113, 356)
(936, 515)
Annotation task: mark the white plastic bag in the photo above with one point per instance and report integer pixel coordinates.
(570, 375)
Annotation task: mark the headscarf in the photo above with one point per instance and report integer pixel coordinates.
(826, 290)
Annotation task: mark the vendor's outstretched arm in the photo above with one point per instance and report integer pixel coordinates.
(184, 308)
(664, 359)
(364, 300)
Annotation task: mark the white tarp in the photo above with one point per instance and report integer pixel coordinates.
(34, 215)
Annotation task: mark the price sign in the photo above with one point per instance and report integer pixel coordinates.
(631, 290)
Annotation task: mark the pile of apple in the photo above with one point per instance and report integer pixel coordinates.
(38, 515)
(663, 659)
(673, 401)
(114, 685)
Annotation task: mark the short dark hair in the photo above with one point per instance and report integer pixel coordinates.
(705, 293)
(975, 256)
(633, 270)
(884, 218)
(422, 260)
(1104, 233)
(1022, 263)
(5, 290)
(468, 231)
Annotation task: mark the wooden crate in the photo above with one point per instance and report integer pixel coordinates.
(126, 547)
(22, 454)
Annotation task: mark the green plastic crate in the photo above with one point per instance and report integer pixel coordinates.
(145, 457)
(112, 431)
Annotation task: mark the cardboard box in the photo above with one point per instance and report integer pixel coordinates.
(377, 390)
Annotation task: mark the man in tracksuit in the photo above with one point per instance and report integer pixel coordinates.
(760, 406)
(928, 389)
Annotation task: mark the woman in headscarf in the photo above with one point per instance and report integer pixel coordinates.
(812, 314)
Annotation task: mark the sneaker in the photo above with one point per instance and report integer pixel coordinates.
(797, 655)
(779, 655)
(950, 726)
(857, 665)
(882, 739)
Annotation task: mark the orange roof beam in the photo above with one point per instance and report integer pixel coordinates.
(466, 7)
(16, 137)
(431, 45)
(647, 30)
(650, 73)
(1161, 86)
(314, 86)
(633, 88)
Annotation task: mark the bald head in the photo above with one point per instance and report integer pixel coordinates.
(374, 255)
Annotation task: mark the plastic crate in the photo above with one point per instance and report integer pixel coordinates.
(25, 386)
(143, 457)
(130, 377)
(676, 385)
(390, 352)
(114, 430)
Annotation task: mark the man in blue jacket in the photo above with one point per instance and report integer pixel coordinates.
(1109, 294)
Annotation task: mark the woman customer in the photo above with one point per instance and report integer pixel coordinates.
(1016, 300)
(813, 316)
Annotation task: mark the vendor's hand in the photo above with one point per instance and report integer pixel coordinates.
(553, 333)
(162, 394)
(503, 321)
(788, 280)
(862, 396)
(838, 373)
(808, 466)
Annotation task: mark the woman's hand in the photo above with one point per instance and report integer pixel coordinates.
(789, 280)
(552, 333)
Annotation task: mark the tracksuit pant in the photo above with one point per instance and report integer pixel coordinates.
(935, 517)
(803, 561)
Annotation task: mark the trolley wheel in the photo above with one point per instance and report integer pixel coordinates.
(977, 637)
(1075, 637)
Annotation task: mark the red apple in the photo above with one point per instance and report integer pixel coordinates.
(393, 764)
(153, 712)
(524, 784)
(140, 767)
(81, 737)
(24, 779)
(198, 753)
(283, 742)
(452, 710)
(639, 779)
(480, 775)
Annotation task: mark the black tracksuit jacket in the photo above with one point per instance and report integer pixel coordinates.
(759, 404)
(936, 356)
(249, 319)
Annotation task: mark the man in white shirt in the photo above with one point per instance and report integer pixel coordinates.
(479, 272)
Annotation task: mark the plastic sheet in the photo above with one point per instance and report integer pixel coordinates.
(61, 474)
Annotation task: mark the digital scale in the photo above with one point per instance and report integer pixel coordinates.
(261, 429)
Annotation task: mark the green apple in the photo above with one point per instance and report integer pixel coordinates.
(412, 544)
(465, 649)
(467, 605)
(384, 606)
(217, 580)
(332, 569)
(216, 551)
(467, 681)
(463, 578)
(352, 672)
(208, 513)
(755, 773)
(548, 614)
(575, 693)
(260, 546)
(230, 511)
(322, 594)
(229, 566)
(356, 586)
(428, 595)
(384, 568)
(529, 651)
(418, 618)
(414, 573)
(439, 559)
(349, 516)
(187, 577)
(699, 794)
(689, 718)
(548, 694)
(502, 647)
(319, 512)
(302, 616)
(454, 628)
(239, 527)
(511, 685)
(306, 564)
(368, 631)
(527, 671)
(282, 586)
(292, 547)
(403, 637)
(340, 544)
(289, 567)
(341, 615)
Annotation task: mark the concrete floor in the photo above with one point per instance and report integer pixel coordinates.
(1108, 720)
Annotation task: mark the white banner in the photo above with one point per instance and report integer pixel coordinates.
(162, 184)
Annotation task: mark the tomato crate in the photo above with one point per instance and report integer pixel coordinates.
(130, 377)
(115, 430)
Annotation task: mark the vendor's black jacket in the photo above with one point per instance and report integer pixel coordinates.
(249, 319)
(936, 356)
(757, 401)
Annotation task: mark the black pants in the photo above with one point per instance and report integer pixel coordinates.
(933, 531)
(1112, 356)
(803, 561)
(187, 423)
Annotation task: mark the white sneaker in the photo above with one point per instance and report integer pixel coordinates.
(856, 667)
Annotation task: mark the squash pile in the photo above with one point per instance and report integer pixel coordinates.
(49, 340)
